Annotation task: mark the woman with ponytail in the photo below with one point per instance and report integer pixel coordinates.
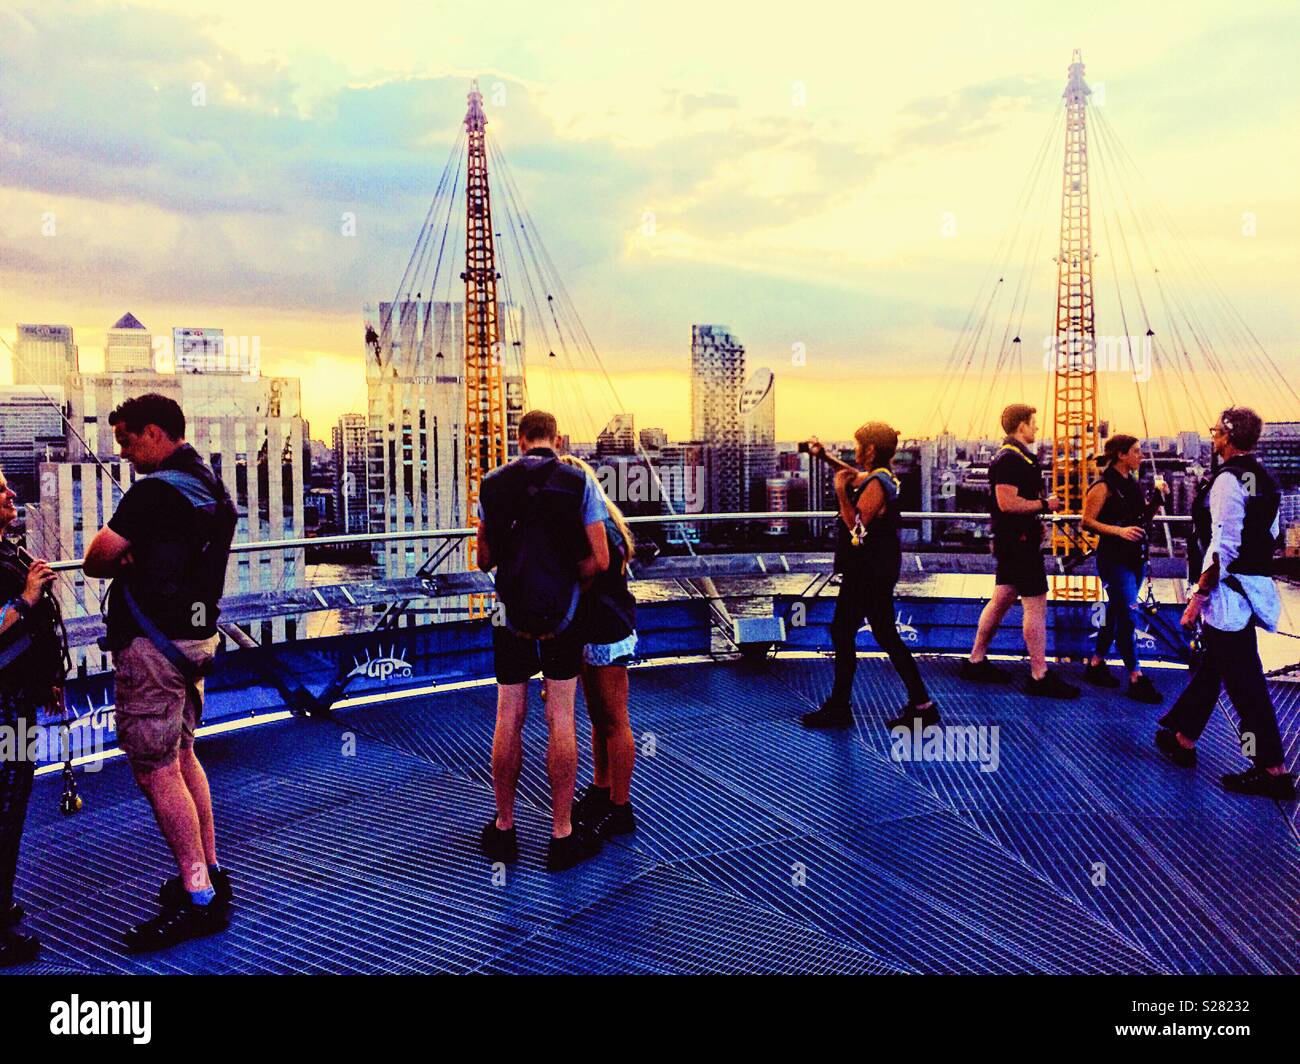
(1117, 511)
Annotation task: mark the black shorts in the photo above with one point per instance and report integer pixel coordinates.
(1020, 565)
(516, 659)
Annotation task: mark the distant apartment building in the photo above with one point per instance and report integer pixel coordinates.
(129, 347)
(617, 437)
(45, 355)
(349, 439)
(757, 413)
(250, 432)
(717, 381)
(785, 494)
(31, 431)
(684, 474)
(653, 439)
(1279, 450)
(415, 462)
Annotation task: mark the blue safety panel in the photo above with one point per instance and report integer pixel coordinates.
(244, 682)
(947, 626)
(1069, 846)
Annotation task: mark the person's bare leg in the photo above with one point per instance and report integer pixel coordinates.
(508, 749)
(196, 782)
(1035, 629)
(1004, 597)
(617, 739)
(591, 694)
(561, 753)
(173, 808)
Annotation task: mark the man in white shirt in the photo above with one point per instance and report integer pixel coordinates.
(1237, 524)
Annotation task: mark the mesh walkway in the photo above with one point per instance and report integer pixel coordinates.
(762, 847)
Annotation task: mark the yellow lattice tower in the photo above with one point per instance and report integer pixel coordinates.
(1074, 411)
(485, 406)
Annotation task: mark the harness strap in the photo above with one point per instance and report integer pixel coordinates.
(190, 672)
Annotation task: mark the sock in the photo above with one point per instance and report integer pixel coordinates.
(202, 897)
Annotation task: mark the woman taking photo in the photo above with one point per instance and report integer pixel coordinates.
(31, 675)
(1118, 511)
(607, 614)
(869, 556)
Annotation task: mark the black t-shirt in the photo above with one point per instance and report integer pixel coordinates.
(180, 553)
(1016, 466)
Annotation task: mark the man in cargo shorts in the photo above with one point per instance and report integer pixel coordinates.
(166, 548)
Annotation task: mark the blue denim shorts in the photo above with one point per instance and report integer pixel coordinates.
(619, 653)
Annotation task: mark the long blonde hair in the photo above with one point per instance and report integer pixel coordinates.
(620, 522)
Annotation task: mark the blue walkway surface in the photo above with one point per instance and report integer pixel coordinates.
(762, 847)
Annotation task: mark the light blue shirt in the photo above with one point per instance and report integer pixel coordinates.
(1228, 610)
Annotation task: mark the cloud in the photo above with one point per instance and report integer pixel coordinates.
(688, 105)
(970, 113)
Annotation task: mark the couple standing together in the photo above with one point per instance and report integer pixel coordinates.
(561, 550)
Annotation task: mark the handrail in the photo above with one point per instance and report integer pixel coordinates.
(353, 538)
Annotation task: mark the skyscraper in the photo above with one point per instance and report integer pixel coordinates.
(758, 437)
(618, 437)
(350, 468)
(45, 355)
(129, 347)
(30, 428)
(717, 380)
(415, 468)
(201, 351)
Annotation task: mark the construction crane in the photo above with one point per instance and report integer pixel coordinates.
(485, 402)
(1075, 430)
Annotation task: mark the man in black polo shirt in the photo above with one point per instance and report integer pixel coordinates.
(542, 527)
(1017, 506)
(166, 548)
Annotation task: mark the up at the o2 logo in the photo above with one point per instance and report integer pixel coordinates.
(383, 668)
(905, 629)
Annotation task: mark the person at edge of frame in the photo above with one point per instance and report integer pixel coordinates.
(1235, 525)
(32, 670)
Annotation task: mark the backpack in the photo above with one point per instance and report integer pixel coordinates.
(537, 547)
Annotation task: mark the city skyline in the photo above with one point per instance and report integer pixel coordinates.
(800, 199)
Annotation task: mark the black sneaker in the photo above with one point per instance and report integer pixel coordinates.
(11, 916)
(983, 672)
(615, 820)
(1050, 685)
(577, 846)
(928, 717)
(172, 895)
(499, 845)
(169, 929)
(591, 804)
(1264, 784)
(18, 946)
(1099, 676)
(1168, 744)
(1143, 690)
(831, 715)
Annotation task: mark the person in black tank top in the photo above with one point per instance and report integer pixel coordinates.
(868, 556)
(1118, 511)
